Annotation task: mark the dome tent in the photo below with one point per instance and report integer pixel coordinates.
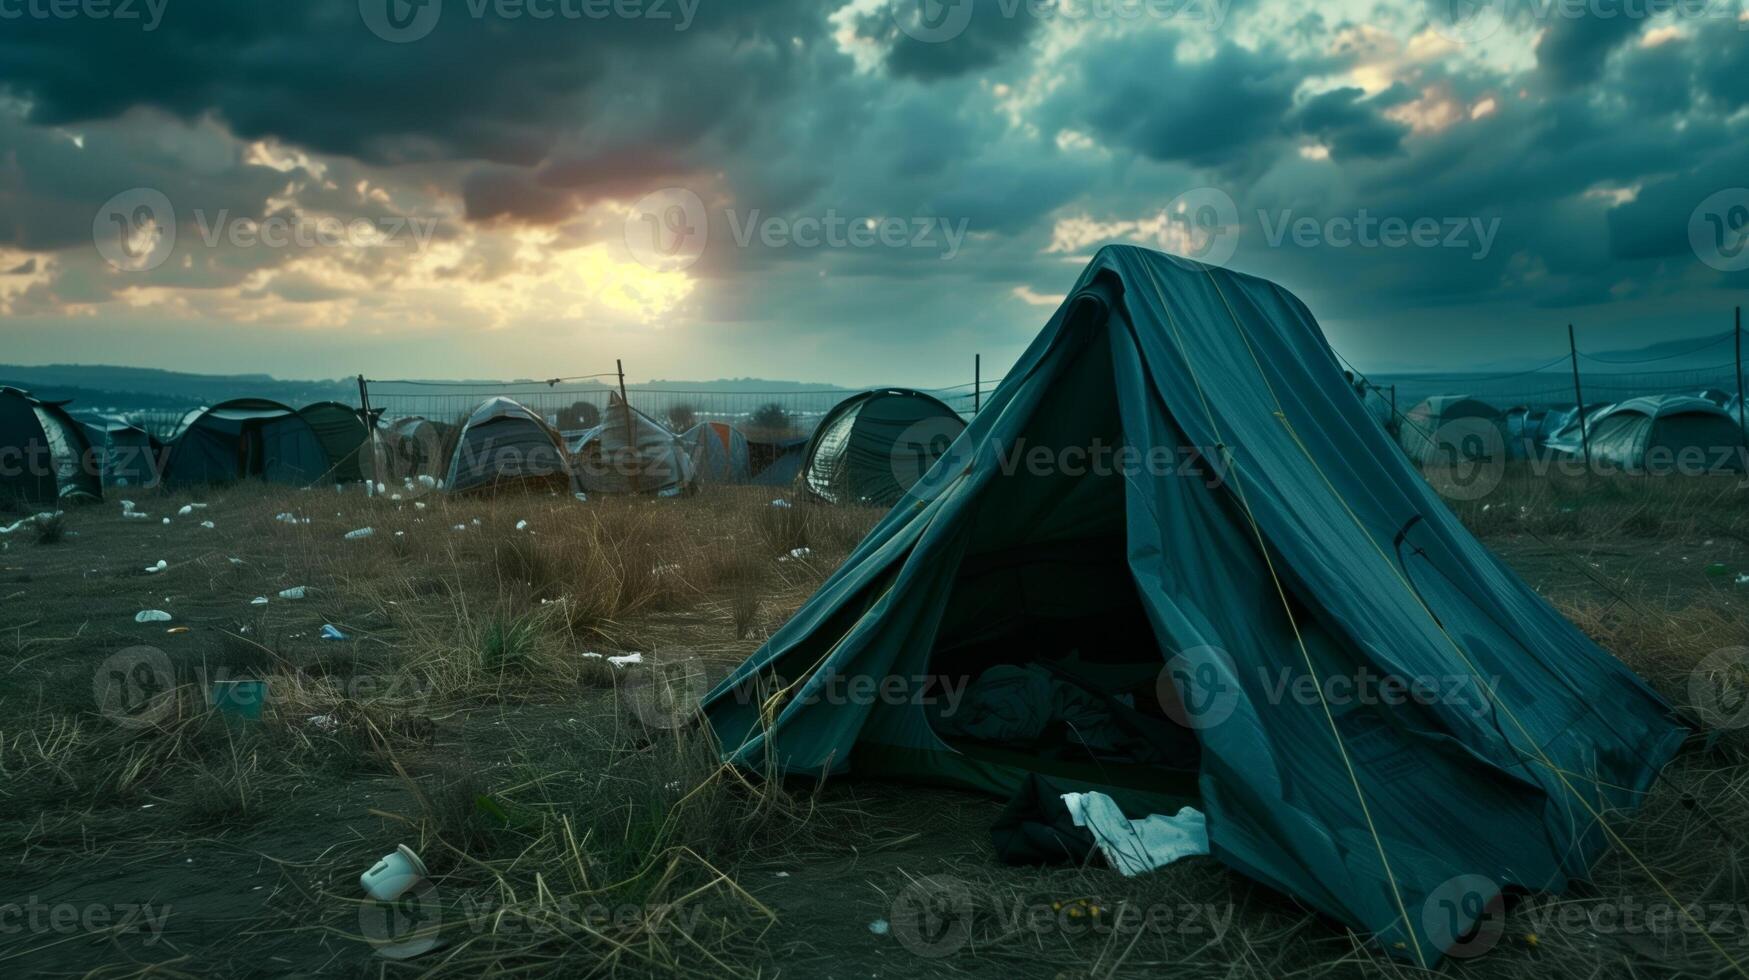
(343, 435)
(630, 452)
(1203, 601)
(719, 452)
(1447, 429)
(130, 456)
(871, 447)
(242, 438)
(413, 447)
(1661, 435)
(45, 457)
(503, 445)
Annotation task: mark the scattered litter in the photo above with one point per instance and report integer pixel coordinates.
(582, 497)
(135, 515)
(780, 502)
(236, 561)
(332, 632)
(879, 927)
(209, 525)
(418, 505)
(295, 592)
(801, 552)
(400, 534)
(259, 600)
(631, 658)
(1742, 579)
(476, 522)
(188, 509)
(522, 525)
(155, 569)
(667, 568)
(175, 630)
(363, 532)
(151, 616)
(461, 527)
(394, 875)
(326, 723)
(166, 520)
(597, 656)
(126, 506)
(780, 874)
(669, 492)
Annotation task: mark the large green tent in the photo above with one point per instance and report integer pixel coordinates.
(1448, 429)
(872, 446)
(1174, 486)
(241, 438)
(45, 456)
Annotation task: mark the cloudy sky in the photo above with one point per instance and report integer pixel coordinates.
(856, 192)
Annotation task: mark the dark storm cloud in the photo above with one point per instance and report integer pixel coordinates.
(1136, 91)
(929, 39)
(1353, 125)
(1572, 49)
(490, 87)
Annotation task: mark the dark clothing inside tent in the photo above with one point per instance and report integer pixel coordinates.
(504, 446)
(1216, 633)
(244, 438)
(872, 447)
(775, 462)
(45, 457)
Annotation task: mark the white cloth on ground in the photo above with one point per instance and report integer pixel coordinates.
(1135, 846)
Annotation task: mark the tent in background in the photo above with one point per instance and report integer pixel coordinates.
(45, 457)
(719, 453)
(1187, 609)
(1447, 429)
(130, 456)
(414, 447)
(503, 446)
(630, 452)
(776, 462)
(242, 438)
(871, 447)
(343, 435)
(1662, 435)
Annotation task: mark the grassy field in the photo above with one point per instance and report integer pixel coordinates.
(572, 827)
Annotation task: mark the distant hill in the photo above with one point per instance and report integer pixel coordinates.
(106, 387)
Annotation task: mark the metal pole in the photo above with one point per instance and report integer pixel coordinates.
(631, 439)
(978, 380)
(370, 428)
(1579, 397)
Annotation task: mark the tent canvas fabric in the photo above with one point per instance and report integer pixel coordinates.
(719, 453)
(342, 432)
(871, 447)
(776, 462)
(1319, 553)
(412, 447)
(130, 456)
(1446, 429)
(502, 445)
(630, 452)
(246, 437)
(45, 457)
(1662, 434)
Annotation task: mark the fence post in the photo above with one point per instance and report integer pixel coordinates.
(978, 380)
(1579, 398)
(370, 428)
(631, 437)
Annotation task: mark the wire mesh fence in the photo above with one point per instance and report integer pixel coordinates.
(573, 405)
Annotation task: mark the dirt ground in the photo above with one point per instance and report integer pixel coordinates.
(236, 851)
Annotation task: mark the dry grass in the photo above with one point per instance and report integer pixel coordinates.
(544, 792)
